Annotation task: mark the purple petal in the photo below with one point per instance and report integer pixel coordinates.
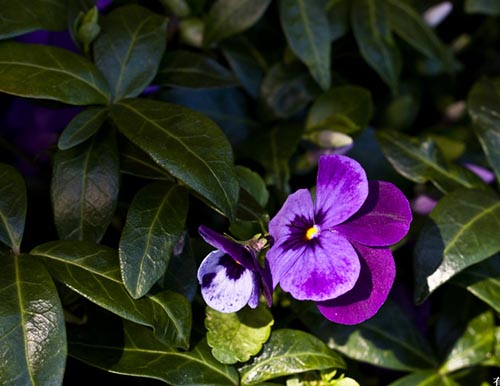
(297, 206)
(383, 219)
(341, 189)
(320, 269)
(233, 249)
(374, 284)
(225, 287)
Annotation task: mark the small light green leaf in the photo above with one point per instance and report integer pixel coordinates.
(238, 336)
(253, 184)
(129, 49)
(139, 353)
(389, 340)
(344, 109)
(229, 17)
(82, 127)
(307, 31)
(22, 17)
(483, 104)
(13, 203)
(155, 221)
(410, 26)
(420, 160)
(93, 271)
(474, 346)
(371, 27)
(32, 330)
(180, 8)
(289, 352)
(47, 72)
(486, 7)
(84, 189)
(462, 232)
(425, 378)
(194, 70)
(186, 143)
(87, 27)
(483, 280)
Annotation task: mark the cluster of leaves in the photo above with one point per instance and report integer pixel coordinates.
(198, 112)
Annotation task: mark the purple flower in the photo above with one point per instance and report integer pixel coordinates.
(334, 250)
(231, 277)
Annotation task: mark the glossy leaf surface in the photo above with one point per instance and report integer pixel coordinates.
(422, 161)
(155, 222)
(289, 352)
(187, 144)
(140, 354)
(229, 17)
(46, 72)
(307, 31)
(93, 271)
(13, 203)
(461, 233)
(82, 127)
(84, 189)
(236, 337)
(189, 69)
(32, 330)
(129, 48)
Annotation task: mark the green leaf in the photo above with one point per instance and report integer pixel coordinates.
(140, 354)
(338, 17)
(229, 17)
(344, 109)
(155, 221)
(129, 49)
(236, 337)
(186, 143)
(483, 281)
(487, 7)
(19, 18)
(47, 72)
(371, 26)
(13, 203)
(190, 69)
(93, 271)
(474, 346)
(289, 352)
(307, 31)
(82, 127)
(84, 189)
(253, 184)
(425, 378)
(389, 339)
(32, 331)
(420, 160)
(410, 26)
(462, 232)
(483, 105)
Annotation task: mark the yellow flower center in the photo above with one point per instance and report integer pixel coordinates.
(312, 232)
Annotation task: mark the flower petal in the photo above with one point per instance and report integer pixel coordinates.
(341, 189)
(383, 219)
(374, 284)
(226, 286)
(320, 269)
(233, 249)
(297, 209)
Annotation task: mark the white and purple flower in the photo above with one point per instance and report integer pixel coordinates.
(231, 277)
(334, 250)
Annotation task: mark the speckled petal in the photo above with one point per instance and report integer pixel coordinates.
(226, 286)
(341, 189)
(384, 218)
(320, 269)
(365, 299)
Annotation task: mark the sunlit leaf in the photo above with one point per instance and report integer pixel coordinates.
(13, 203)
(32, 330)
(187, 144)
(93, 271)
